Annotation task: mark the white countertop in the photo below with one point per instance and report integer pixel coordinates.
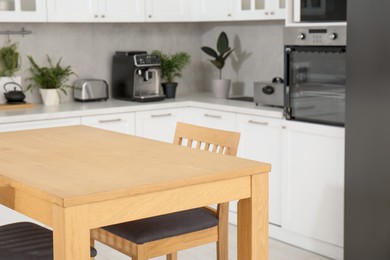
(76, 109)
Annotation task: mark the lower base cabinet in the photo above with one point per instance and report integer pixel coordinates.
(313, 181)
(158, 124)
(261, 140)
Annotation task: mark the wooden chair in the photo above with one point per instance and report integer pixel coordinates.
(168, 234)
(26, 240)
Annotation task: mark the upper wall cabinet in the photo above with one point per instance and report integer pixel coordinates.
(23, 11)
(260, 9)
(168, 11)
(95, 11)
(213, 10)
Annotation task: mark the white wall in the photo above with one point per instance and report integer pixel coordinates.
(88, 48)
(258, 54)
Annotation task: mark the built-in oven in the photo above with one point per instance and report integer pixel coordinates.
(320, 10)
(315, 74)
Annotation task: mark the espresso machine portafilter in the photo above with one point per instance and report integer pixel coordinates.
(136, 76)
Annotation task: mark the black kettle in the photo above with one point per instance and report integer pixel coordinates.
(14, 96)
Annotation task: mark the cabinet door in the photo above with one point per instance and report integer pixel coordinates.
(23, 11)
(261, 140)
(212, 118)
(121, 123)
(258, 9)
(122, 10)
(168, 11)
(313, 181)
(213, 10)
(72, 11)
(158, 124)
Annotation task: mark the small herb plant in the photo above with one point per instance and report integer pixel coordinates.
(9, 60)
(172, 65)
(51, 77)
(223, 52)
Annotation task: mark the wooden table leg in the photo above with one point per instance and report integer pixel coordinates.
(252, 236)
(71, 234)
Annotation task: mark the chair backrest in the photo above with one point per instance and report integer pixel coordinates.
(203, 138)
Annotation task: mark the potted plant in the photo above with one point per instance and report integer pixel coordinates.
(220, 86)
(49, 80)
(9, 65)
(171, 67)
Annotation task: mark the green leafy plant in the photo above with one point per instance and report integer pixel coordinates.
(51, 77)
(9, 60)
(172, 65)
(223, 52)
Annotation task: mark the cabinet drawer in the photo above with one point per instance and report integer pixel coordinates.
(212, 118)
(121, 123)
(39, 124)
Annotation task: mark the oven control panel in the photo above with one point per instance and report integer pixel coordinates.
(335, 35)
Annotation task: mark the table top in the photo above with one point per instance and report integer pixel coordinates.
(78, 164)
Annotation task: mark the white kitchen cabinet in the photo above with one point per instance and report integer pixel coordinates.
(158, 124)
(212, 118)
(260, 10)
(261, 140)
(168, 11)
(313, 181)
(23, 11)
(213, 10)
(96, 10)
(48, 123)
(121, 123)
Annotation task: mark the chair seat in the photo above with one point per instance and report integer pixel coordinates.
(27, 241)
(169, 225)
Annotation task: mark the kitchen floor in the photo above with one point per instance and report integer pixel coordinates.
(277, 251)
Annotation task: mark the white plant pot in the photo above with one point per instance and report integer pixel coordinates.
(4, 80)
(50, 97)
(220, 87)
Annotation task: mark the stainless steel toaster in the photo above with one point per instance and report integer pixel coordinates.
(90, 90)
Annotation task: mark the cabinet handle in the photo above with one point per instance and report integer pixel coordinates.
(284, 127)
(272, 13)
(257, 123)
(162, 115)
(213, 116)
(110, 121)
(96, 16)
(103, 16)
(266, 13)
(229, 15)
(150, 16)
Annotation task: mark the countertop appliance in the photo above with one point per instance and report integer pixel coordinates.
(90, 90)
(269, 93)
(136, 76)
(315, 74)
(320, 11)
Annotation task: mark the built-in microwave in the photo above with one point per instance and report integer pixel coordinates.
(320, 11)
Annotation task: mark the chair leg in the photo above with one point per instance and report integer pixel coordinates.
(92, 245)
(172, 256)
(223, 232)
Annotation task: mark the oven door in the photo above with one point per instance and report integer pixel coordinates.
(315, 84)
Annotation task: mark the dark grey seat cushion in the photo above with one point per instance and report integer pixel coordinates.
(27, 241)
(170, 225)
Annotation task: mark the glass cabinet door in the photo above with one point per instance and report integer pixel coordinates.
(23, 11)
(260, 9)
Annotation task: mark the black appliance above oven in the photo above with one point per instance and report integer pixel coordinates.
(322, 10)
(315, 71)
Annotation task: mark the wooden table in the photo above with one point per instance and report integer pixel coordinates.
(77, 178)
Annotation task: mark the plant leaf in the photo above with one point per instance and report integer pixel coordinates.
(210, 51)
(223, 43)
(227, 54)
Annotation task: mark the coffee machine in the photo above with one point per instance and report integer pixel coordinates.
(136, 76)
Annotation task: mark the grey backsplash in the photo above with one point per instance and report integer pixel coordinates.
(88, 48)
